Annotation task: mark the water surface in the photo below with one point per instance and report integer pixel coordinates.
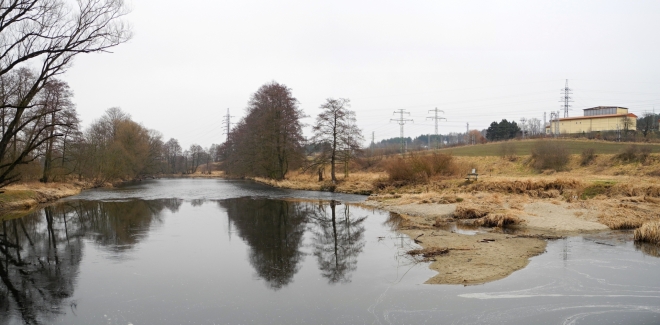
(230, 252)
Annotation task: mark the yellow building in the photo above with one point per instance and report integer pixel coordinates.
(595, 119)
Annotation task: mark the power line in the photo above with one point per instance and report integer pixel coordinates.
(436, 119)
(227, 121)
(402, 122)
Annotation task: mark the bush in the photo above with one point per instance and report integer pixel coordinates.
(549, 155)
(508, 150)
(419, 168)
(634, 153)
(588, 156)
(469, 211)
(498, 220)
(648, 233)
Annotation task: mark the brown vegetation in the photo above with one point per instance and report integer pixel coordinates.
(634, 153)
(587, 157)
(623, 217)
(429, 252)
(419, 168)
(508, 150)
(648, 233)
(549, 155)
(498, 220)
(470, 211)
(534, 187)
(25, 196)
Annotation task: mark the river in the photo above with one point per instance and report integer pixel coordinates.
(206, 251)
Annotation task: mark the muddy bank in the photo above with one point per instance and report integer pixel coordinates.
(473, 255)
(21, 197)
(542, 206)
(478, 258)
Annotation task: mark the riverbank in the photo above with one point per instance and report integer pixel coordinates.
(22, 197)
(18, 198)
(443, 215)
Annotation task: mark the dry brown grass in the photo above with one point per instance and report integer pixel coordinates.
(429, 252)
(631, 190)
(448, 199)
(419, 168)
(534, 187)
(355, 183)
(622, 218)
(549, 155)
(649, 232)
(498, 220)
(470, 211)
(634, 153)
(27, 195)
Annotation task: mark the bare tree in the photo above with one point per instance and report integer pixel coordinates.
(196, 155)
(646, 123)
(336, 134)
(46, 34)
(59, 112)
(172, 152)
(268, 141)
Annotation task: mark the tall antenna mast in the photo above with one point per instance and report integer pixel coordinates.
(566, 98)
(402, 122)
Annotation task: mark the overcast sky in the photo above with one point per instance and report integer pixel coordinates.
(479, 61)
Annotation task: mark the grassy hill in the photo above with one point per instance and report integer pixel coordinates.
(524, 147)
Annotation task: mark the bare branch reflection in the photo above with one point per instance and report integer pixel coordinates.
(337, 240)
(40, 253)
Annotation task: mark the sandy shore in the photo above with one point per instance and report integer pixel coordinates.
(479, 255)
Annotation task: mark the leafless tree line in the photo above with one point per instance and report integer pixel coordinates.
(268, 141)
(38, 41)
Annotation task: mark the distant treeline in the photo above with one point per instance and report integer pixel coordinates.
(433, 141)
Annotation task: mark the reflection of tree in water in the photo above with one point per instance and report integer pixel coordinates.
(38, 265)
(40, 253)
(118, 225)
(337, 241)
(274, 230)
(197, 202)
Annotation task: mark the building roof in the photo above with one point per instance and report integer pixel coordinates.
(601, 107)
(597, 116)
